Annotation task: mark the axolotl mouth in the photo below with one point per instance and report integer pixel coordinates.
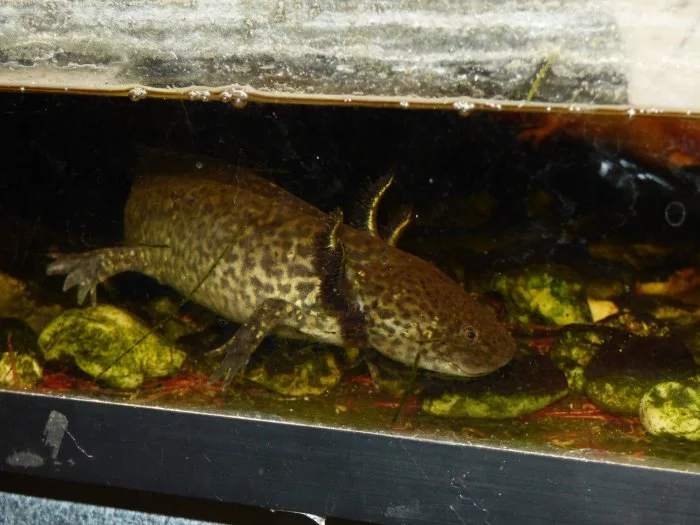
(466, 361)
(462, 357)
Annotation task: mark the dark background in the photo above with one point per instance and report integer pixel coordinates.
(67, 162)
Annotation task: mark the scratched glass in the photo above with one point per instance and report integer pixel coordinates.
(488, 277)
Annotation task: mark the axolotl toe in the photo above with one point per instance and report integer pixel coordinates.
(258, 255)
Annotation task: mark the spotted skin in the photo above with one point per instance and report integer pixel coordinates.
(256, 254)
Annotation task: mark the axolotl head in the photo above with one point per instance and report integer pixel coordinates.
(423, 318)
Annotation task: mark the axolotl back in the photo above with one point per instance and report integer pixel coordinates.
(257, 255)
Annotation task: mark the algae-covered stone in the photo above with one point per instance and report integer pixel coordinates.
(637, 255)
(627, 366)
(392, 377)
(639, 324)
(162, 310)
(677, 314)
(352, 356)
(296, 371)
(572, 351)
(19, 370)
(606, 288)
(672, 408)
(175, 320)
(575, 375)
(667, 310)
(527, 384)
(618, 394)
(21, 366)
(551, 295)
(577, 345)
(17, 301)
(111, 346)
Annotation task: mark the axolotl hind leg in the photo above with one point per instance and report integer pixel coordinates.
(87, 270)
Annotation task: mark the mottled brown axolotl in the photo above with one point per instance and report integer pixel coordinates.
(257, 255)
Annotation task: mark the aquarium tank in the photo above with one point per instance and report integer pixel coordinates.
(380, 261)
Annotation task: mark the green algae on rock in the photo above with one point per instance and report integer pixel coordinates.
(578, 346)
(639, 324)
(680, 315)
(162, 310)
(600, 288)
(551, 295)
(575, 374)
(394, 378)
(17, 301)
(574, 349)
(526, 385)
(672, 409)
(110, 345)
(295, 371)
(14, 297)
(627, 366)
(618, 395)
(19, 370)
(21, 367)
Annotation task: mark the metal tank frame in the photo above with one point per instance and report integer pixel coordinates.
(370, 476)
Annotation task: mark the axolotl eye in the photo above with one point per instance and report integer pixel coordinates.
(471, 334)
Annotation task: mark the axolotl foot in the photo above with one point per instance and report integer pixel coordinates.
(87, 270)
(81, 270)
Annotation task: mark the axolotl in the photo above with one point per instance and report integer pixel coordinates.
(254, 253)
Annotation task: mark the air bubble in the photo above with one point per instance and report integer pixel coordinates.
(21, 89)
(225, 97)
(137, 93)
(463, 107)
(631, 112)
(199, 164)
(675, 214)
(404, 104)
(239, 98)
(197, 95)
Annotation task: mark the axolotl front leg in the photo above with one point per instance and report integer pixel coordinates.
(87, 270)
(266, 317)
